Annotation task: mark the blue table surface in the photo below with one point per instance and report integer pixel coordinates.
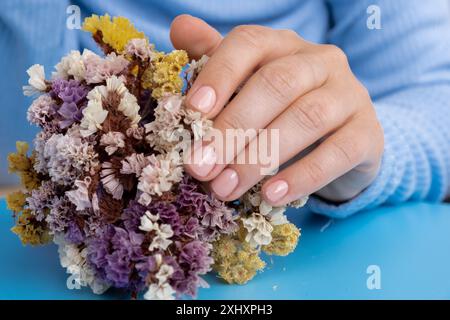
(410, 244)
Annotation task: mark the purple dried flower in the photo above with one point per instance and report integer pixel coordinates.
(74, 234)
(69, 113)
(68, 90)
(40, 200)
(114, 255)
(72, 93)
(168, 215)
(194, 256)
(131, 215)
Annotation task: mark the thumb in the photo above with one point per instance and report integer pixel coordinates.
(194, 35)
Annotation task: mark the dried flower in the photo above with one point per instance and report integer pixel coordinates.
(159, 176)
(139, 48)
(284, 240)
(236, 262)
(112, 141)
(258, 230)
(41, 110)
(115, 33)
(106, 181)
(36, 82)
(15, 201)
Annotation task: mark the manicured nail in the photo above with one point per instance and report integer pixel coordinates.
(203, 160)
(204, 99)
(277, 190)
(224, 184)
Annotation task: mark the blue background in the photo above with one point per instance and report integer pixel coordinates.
(410, 244)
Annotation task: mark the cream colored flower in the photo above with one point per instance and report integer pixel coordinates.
(112, 141)
(159, 175)
(163, 232)
(73, 65)
(93, 117)
(164, 273)
(162, 238)
(162, 289)
(80, 196)
(36, 81)
(159, 292)
(149, 222)
(259, 230)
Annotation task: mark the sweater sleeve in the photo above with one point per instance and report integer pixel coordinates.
(406, 67)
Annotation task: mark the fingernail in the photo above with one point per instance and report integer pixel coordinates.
(277, 190)
(204, 160)
(204, 99)
(225, 183)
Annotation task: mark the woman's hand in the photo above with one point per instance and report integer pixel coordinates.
(305, 91)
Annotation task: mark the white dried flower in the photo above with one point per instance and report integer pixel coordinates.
(41, 110)
(159, 292)
(159, 175)
(299, 203)
(134, 164)
(110, 181)
(149, 222)
(162, 232)
(112, 141)
(93, 117)
(139, 48)
(259, 230)
(75, 263)
(73, 65)
(164, 273)
(80, 196)
(194, 69)
(162, 238)
(36, 82)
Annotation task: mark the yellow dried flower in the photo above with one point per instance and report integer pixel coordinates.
(19, 163)
(163, 75)
(30, 231)
(235, 261)
(15, 201)
(29, 179)
(284, 240)
(116, 32)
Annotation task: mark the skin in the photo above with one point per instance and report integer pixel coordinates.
(305, 90)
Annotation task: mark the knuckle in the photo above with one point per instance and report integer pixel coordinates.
(290, 34)
(232, 120)
(224, 68)
(336, 53)
(350, 149)
(279, 81)
(250, 34)
(315, 173)
(310, 116)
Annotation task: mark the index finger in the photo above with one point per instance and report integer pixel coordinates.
(238, 55)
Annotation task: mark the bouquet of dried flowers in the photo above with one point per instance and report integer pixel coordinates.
(105, 179)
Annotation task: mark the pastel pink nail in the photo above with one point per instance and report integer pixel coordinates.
(203, 160)
(224, 184)
(204, 99)
(277, 190)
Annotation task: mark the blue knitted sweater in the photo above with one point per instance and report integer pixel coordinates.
(405, 65)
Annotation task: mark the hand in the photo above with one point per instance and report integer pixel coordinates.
(306, 91)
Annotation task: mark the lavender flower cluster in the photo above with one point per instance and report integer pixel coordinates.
(108, 185)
